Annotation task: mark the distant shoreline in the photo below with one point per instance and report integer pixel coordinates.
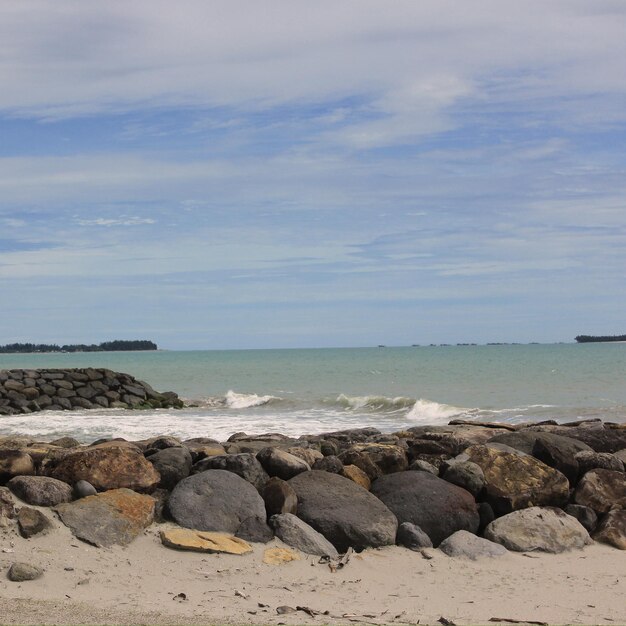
(117, 345)
(601, 339)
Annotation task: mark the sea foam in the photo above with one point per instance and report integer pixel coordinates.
(236, 400)
(427, 410)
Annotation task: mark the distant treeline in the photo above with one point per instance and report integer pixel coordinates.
(105, 346)
(592, 338)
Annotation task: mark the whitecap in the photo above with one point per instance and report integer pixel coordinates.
(424, 410)
(374, 403)
(236, 400)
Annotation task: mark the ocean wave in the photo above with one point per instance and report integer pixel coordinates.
(236, 400)
(375, 403)
(424, 410)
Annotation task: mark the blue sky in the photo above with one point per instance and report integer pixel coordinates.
(294, 173)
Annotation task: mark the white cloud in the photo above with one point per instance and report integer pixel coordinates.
(407, 58)
(122, 221)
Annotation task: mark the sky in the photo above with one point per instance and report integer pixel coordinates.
(299, 173)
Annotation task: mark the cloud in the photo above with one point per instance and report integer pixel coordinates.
(123, 221)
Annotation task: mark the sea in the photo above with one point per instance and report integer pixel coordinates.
(309, 391)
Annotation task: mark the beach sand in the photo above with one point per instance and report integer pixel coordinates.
(142, 583)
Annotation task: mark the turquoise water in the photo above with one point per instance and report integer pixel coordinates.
(312, 390)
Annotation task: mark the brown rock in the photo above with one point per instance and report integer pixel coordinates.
(107, 467)
(357, 475)
(308, 455)
(15, 463)
(515, 482)
(113, 517)
(389, 458)
(32, 522)
(279, 497)
(204, 541)
(602, 490)
(280, 556)
(612, 529)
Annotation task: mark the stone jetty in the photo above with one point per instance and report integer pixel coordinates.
(473, 489)
(28, 391)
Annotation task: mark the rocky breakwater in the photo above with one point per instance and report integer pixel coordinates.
(27, 391)
(470, 490)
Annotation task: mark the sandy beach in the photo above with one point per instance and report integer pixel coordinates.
(148, 583)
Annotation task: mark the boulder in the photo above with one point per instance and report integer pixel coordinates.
(362, 461)
(202, 541)
(172, 464)
(279, 497)
(525, 441)
(329, 463)
(388, 458)
(597, 437)
(546, 529)
(602, 490)
(464, 544)
(515, 482)
(412, 537)
(15, 463)
(419, 465)
(346, 514)
(279, 463)
(243, 464)
(586, 516)
(612, 529)
(107, 467)
(308, 455)
(115, 517)
(357, 475)
(219, 500)
(467, 475)
(298, 534)
(21, 572)
(558, 457)
(436, 506)
(40, 490)
(598, 460)
(32, 522)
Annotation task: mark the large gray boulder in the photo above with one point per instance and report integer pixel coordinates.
(173, 464)
(40, 490)
(219, 500)
(467, 545)
(438, 507)
(298, 534)
(243, 464)
(345, 513)
(546, 529)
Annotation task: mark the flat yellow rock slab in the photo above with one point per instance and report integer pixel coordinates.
(280, 556)
(202, 541)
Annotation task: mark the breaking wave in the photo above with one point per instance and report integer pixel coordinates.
(375, 403)
(236, 400)
(424, 410)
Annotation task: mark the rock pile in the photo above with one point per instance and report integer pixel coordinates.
(473, 490)
(26, 391)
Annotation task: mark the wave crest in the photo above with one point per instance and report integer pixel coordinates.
(424, 410)
(236, 400)
(375, 403)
